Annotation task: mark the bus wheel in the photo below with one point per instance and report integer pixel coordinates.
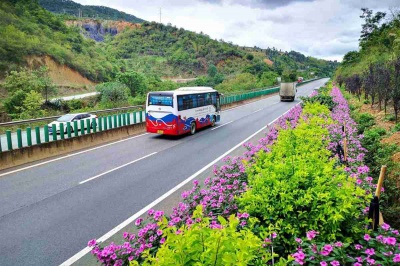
(213, 121)
(192, 128)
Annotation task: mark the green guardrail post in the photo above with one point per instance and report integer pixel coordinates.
(46, 133)
(54, 132)
(119, 120)
(134, 118)
(94, 124)
(76, 130)
(9, 140)
(88, 125)
(62, 131)
(29, 136)
(19, 138)
(141, 116)
(100, 124)
(110, 123)
(82, 127)
(105, 122)
(37, 133)
(128, 118)
(69, 131)
(123, 122)
(115, 121)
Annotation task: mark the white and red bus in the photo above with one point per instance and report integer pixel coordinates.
(182, 111)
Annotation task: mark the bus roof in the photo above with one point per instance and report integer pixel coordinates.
(184, 90)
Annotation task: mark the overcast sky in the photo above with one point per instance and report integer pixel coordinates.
(321, 28)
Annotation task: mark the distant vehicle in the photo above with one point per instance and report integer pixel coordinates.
(287, 91)
(300, 79)
(182, 111)
(70, 118)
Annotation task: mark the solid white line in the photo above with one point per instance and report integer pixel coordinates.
(116, 168)
(258, 110)
(113, 231)
(221, 125)
(70, 155)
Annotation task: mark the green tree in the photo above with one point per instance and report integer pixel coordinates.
(212, 71)
(135, 82)
(113, 94)
(31, 106)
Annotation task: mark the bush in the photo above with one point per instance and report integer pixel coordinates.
(397, 127)
(296, 187)
(202, 243)
(113, 94)
(364, 121)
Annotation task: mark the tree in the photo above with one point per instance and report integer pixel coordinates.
(31, 106)
(113, 94)
(212, 71)
(134, 81)
(371, 24)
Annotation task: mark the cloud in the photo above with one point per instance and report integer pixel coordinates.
(267, 4)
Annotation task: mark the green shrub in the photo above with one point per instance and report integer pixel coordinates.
(75, 104)
(364, 121)
(397, 127)
(390, 118)
(201, 245)
(113, 94)
(295, 187)
(319, 98)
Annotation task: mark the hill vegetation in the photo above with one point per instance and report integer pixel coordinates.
(68, 7)
(146, 53)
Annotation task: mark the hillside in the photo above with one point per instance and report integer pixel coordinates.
(75, 9)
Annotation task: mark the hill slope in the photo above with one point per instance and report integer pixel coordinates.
(74, 9)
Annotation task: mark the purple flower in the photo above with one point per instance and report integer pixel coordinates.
(335, 263)
(273, 235)
(323, 263)
(162, 240)
(396, 258)
(311, 234)
(298, 240)
(358, 246)
(338, 244)
(385, 226)
(138, 221)
(370, 251)
(150, 212)
(367, 237)
(391, 241)
(92, 243)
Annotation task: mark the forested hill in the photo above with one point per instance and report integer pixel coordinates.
(75, 9)
(27, 29)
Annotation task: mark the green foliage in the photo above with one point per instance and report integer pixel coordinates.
(31, 106)
(397, 127)
(241, 82)
(364, 120)
(113, 94)
(267, 79)
(134, 81)
(289, 76)
(294, 187)
(321, 99)
(201, 245)
(72, 8)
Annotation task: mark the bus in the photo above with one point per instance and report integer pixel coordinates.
(182, 111)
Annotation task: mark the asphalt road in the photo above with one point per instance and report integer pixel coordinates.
(50, 211)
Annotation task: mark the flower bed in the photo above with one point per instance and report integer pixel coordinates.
(288, 185)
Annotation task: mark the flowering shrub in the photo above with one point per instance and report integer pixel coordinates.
(296, 187)
(202, 244)
(378, 248)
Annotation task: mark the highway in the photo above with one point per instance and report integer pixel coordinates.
(49, 211)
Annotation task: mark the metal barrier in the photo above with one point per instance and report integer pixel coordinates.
(42, 135)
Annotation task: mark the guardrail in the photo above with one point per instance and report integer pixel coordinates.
(39, 135)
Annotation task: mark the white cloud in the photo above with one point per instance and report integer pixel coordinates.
(321, 28)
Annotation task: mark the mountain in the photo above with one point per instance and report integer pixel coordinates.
(82, 11)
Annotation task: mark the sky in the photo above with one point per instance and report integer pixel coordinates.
(325, 29)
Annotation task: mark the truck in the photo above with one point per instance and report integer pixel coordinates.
(287, 91)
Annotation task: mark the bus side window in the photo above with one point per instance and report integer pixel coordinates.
(180, 103)
(209, 99)
(201, 100)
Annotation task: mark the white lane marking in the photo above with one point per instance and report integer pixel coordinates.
(258, 110)
(221, 125)
(116, 229)
(247, 104)
(116, 168)
(71, 155)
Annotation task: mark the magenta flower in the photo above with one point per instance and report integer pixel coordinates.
(370, 251)
(92, 243)
(396, 258)
(138, 221)
(335, 263)
(273, 235)
(358, 246)
(338, 244)
(385, 226)
(367, 237)
(390, 241)
(298, 240)
(311, 234)
(323, 263)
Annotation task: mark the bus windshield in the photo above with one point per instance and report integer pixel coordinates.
(163, 100)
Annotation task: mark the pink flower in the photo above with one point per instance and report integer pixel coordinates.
(357, 264)
(335, 263)
(273, 235)
(138, 221)
(162, 240)
(390, 241)
(370, 261)
(385, 226)
(338, 244)
(311, 234)
(370, 251)
(323, 263)
(396, 258)
(298, 240)
(358, 246)
(92, 243)
(150, 212)
(367, 237)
